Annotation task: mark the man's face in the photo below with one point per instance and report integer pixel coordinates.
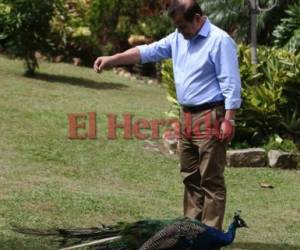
(187, 29)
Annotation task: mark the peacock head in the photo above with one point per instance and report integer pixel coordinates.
(238, 221)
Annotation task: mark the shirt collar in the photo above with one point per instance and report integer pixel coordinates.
(205, 29)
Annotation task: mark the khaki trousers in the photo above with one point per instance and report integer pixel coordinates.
(202, 160)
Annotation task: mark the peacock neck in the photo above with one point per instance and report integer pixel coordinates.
(222, 239)
(231, 233)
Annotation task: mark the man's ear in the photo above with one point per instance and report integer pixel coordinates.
(197, 18)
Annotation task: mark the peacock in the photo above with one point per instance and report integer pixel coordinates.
(176, 234)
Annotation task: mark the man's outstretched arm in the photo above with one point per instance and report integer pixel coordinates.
(131, 56)
(153, 52)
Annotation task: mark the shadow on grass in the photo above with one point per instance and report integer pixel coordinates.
(31, 242)
(263, 246)
(26, 243)
(78, 81)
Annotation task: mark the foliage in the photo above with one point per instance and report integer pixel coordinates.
(110, 22)
(269, 97)
(287, 34)
(234, 17)
(168, 82)
(154, 27)
(70, 30)
(276, 142)
(27, 29)
(5, 23)
(113, 30)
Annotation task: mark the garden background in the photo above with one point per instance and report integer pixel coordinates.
(47, 180)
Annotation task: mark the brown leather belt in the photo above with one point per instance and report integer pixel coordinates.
(201, 107)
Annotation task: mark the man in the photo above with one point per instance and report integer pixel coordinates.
(208, 87)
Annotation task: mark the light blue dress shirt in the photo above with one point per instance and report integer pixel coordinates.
(205, 68)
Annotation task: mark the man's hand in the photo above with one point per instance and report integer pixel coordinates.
(102, 63)
(226, 131)
(131, 56)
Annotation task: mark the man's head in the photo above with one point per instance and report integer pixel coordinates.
(186, 16)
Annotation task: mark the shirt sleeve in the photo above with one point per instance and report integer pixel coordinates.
(156, 51)
(225, 59)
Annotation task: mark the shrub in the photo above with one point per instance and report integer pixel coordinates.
(27, 29)
(154, 27)
(276, 142)
(269, 97)
(110, 22)
(5, 21)
(168, 82)
(70, 30)
(287, 34)
(113, 21)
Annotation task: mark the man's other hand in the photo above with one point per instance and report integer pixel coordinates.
(226, 131)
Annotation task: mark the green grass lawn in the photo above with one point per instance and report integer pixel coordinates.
(48, 180)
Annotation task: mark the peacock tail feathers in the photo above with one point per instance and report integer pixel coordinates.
(133, 235)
